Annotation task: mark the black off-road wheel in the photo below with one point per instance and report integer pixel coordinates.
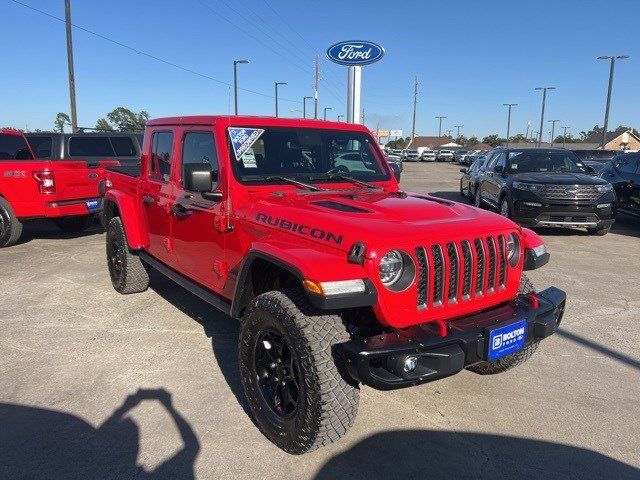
(292, 372)
(128, 273)
(506, 363)
(10, 226)
(74, 224)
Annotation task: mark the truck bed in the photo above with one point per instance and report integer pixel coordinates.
(129, 170)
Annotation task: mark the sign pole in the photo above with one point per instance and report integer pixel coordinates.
(354, 81)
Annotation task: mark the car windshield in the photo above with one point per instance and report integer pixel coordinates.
(542, 162)
(304, 154)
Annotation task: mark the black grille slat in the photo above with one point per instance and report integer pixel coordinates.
(466, 273)
(477, 243)
(423, 277)
(452, 255)
(438, 274)
(492, 263)
(503, 261)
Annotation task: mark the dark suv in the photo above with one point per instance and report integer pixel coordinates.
(546, 188)
(624, 174)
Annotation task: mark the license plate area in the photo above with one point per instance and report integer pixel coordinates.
(506, 340)
(93, 205)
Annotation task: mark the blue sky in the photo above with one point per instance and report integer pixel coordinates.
(470, 57)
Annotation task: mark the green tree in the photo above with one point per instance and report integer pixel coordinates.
(472, 141)
(493, 140)
(125, 120)
(519, 138)
(61, 120)
(103, 125)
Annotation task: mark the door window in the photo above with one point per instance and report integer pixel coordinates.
(501, 160)
(41, 145)
(492, 160)
(199, 147)
(628, 165)
(13, 147)
(160, 164)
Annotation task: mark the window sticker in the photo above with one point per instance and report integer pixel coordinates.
(249, 158)
(242, 139)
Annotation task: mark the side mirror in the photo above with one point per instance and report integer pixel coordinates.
(498, 169)
(200, 178)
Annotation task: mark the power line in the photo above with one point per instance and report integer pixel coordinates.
(146, 54)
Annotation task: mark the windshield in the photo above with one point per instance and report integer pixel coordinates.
(543, 162)
(304, 154)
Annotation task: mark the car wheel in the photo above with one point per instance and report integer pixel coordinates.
(505, 208)
(518, 358)
(292, 372)
(128, 273)
(10, 226)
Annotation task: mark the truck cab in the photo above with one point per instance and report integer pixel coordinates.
(298, 229)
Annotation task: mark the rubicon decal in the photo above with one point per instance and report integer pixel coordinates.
(313, 232)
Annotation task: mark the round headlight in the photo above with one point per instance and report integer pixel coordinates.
(513, 249)
(391, 267)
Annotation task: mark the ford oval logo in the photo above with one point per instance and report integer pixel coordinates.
(93, 175)
(355, 52)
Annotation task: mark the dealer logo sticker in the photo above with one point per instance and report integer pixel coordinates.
(507, 340)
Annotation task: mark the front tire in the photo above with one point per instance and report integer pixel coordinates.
(10, 226)
(292, 372)
(128, 273)
(518, 358)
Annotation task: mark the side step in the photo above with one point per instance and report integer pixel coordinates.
(196, 289)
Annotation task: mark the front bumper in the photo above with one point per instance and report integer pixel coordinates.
(540, 213)
(377, 361)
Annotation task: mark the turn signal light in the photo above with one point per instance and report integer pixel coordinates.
(46, 182)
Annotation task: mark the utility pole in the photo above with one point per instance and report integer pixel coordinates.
(339, 117)
(304, 106)
(458, 127)
(509, 105)
(315, 89)
(235, 83)
(277, 84)
(526, 135)
(440, 127)
(362, 115)
(553, 129)
(564, 136)
(544, 101)
(72, 81)
(326, 109)
(415, 104)
(606, 112)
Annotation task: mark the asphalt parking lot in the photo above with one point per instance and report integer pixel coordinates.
(98, 385)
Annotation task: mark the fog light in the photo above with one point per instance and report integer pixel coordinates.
(604, 205)
(532, 204)
(410, 364)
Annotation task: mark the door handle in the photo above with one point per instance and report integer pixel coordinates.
(148, 200)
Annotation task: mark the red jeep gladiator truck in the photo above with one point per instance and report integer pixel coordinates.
(298, 229)
(55, 176)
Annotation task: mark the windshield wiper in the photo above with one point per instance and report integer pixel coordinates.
(295, 182)
(347, 178)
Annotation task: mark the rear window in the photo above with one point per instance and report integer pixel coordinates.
(13, 147)
(90, 147)
(41, 145)
(123, 146)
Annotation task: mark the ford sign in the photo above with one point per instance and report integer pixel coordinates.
(355, 52)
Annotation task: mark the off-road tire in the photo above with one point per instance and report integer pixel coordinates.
(10, 226)
(598, 232)
(75, 224)
(327, 401)
(506, 363)
(132, 275)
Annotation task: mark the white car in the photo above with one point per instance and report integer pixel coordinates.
(427, 156)
(445, 156)
(410, 155)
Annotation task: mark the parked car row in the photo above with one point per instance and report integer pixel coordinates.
(554, 188)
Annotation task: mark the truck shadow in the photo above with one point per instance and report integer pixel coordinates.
(50, 444)
(43, 229)
(432, 454)
(218, 326)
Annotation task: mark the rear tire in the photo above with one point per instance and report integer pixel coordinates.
(506, 363)
(598, 232)
(308, 368)
(75, 224)
(10, 226)
(128, 273)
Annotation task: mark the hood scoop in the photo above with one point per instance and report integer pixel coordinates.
(341, 207)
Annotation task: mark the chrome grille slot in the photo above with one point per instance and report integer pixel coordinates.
(423, 277)
(492, 264)
(454, 269)
(479, 247)
(503, 261)
(438, 274)
(569, 192)
(467, 270)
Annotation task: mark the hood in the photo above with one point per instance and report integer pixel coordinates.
(559, 178)
(379, 218)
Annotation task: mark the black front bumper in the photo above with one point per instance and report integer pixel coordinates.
(378, 361)
(535, 212)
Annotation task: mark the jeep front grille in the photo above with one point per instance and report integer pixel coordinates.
(569, 192)
(458, 271)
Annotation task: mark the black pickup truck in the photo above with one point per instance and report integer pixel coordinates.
(548, 187)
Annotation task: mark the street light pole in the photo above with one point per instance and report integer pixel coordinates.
(553, 129)
(564, 136)
(304, 106)
(276, 84)
(510, 105)
(440, 127)
(340, 116)
(235, 83)
(544, 101)
(325, 111)
(606, 113)
(72, 80)
(458, 127)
